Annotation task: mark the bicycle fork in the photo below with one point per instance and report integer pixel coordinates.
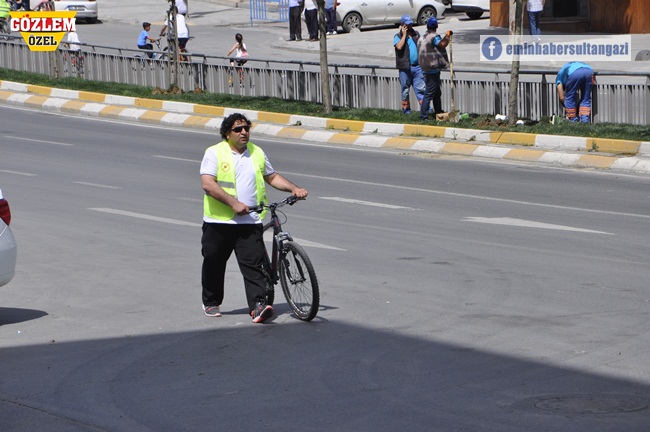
(294, 274)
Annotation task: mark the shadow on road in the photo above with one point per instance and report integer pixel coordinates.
(16, 315)
(321, 376)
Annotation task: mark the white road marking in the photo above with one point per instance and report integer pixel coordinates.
(146, 217)
(178, 159)
(18, 173)
(267, 235)
(40, 141)
(456, 194)
(195, 200)
(366, 203)
(97, 185)
(529, 224)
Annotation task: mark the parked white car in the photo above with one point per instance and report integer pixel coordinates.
(473, 8)
(86, 9)
(8, 249)
(353, 14)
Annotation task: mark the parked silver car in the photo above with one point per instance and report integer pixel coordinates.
(474, 9)
(8, 248)
(353, 14)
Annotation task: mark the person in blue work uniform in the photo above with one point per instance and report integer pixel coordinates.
(406, 60)
(573, 84)
(432, 57)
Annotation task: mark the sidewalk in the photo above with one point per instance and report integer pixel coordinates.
(375, 45)
(372, 43)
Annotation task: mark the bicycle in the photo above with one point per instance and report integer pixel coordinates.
(240, 71)
(144, 57)
(5, 28)
(76, 59)
(45, 5)
(171, 48)
(290, 264)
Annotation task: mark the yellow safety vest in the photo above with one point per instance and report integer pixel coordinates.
(225, 178)
(4, 9)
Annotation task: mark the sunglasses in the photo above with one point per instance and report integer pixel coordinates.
(238, 129)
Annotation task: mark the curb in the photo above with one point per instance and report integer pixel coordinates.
(515, 146)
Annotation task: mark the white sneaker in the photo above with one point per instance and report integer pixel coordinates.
(328, 33)
(334, 32)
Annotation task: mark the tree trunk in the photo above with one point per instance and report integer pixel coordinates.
(516, 17)
(177, 50)
(324, 67)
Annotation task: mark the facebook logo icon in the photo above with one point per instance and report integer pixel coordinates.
(491, 48)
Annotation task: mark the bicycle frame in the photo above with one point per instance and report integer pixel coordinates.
(290, 265)
(279, 237)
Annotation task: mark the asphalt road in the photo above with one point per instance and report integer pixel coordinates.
(457, 295)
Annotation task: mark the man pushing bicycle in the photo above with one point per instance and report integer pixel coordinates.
(234, 174)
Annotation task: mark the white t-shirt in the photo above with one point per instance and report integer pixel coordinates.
(183, 32)
(181, 6)
(244, 182)
(241, 52)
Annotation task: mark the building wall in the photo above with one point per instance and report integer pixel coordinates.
(605, 16)
(622, 16)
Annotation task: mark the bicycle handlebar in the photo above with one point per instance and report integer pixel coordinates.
(291, 200)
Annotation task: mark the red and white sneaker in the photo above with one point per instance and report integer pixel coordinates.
(261, 312)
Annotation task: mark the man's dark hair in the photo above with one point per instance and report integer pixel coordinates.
(226, 124)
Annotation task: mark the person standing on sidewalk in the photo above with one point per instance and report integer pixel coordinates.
(432, 57)
(406, 59)
(311, 19)
(295, 20)
(330, 16)
(535, 9)
(233, 176)
(574, 81)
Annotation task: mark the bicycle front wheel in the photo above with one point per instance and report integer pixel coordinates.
(298, 280)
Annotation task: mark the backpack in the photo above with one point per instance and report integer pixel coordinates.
(430, 57)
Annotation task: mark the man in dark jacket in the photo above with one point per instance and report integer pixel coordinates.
(432, 55)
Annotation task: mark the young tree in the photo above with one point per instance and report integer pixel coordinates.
(516, 18)
(324, 67)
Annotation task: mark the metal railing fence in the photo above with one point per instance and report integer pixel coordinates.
(269, 10)
(617, 97)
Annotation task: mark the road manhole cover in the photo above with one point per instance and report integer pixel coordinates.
(592, 404)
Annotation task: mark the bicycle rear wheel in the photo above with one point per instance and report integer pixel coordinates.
(298, 280)
(5, 29)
